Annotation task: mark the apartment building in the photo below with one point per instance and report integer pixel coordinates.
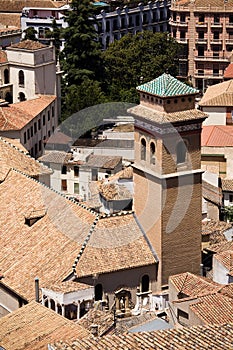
(206, 32)
(114, 25)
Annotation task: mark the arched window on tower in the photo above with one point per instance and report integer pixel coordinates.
(21, 97)
(143, 149)
(6, 76)
(145, 283)
(21, 78)
(152, 153)
(181, 152)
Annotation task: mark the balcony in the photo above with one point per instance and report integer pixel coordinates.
(229, 41)
(216, 41)
(201, 41)
(229, 25)
(211, 58)
(182, 40)
(201, 25)
(216, 25)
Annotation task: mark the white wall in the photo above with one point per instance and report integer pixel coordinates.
(220, 273)
(216, 116)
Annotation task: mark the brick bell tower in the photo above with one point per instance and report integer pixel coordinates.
(167, 173)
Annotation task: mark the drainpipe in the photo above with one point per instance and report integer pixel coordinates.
(37, 289)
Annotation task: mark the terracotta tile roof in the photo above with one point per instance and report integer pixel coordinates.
(35, 106)
(113, 191)
(216, 231)
(192, 285)
(103, 319)
(214, 309)
(167, 86)
(163, 118)
(228, 73)
(211, 192)
(33, 326)
(218, 95)
(18, 5)
(10, 19)
(220, 247)
(49, 247)
(226, 259)
(210, 3)
(227, 290)
(105, 162)
(57, 157)
(16, 143)
(13, 158)
(59, 138)
(126, 173)
(186, 338)
(116, 243)
(227, 185)
(17, 115)
(217, 136)
(67, 287)
(27, 45)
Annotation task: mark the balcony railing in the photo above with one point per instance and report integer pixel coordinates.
(182, 40)
(229, 41)
(201, 24)
(216, 25)
(216, 41)
(211, 58)
(201, 41)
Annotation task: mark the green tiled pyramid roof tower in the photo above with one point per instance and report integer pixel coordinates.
(167, 86)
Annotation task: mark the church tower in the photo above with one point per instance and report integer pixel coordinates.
(167, 173)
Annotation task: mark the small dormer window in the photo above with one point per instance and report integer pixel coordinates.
(143, 149)
(34, 215)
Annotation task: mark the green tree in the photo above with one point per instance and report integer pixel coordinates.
(81, 54)
(78, 97)
(228, 213)
(30, 34)
(55, 35)
(136, 59)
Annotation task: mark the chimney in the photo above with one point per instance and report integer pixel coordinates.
(37, 289)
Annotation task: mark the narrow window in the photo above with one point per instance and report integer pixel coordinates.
(64, 170)
(63, 185)
(6, 76)
(143, 149)
(21, 78)
(181, 151)
(152, 153)
(98, 292)
(145, 283)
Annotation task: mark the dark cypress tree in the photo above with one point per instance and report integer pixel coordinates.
(81, 54)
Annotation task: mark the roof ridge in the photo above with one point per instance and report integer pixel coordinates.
(15, 147)
(85, 244)
(146, 238)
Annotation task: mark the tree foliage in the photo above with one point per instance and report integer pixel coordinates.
(81, 54)
(136, 59)
(30, 34)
